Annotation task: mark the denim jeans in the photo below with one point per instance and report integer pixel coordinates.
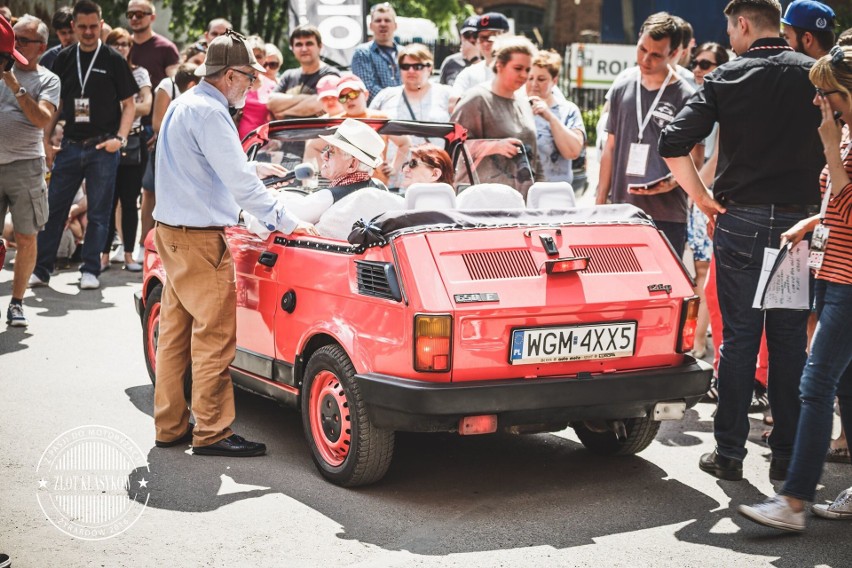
(740, 237)
(73, 164)
(828, 373)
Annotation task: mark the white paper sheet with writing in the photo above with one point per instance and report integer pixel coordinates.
(784, 279)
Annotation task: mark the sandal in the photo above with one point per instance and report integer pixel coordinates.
(838, 455)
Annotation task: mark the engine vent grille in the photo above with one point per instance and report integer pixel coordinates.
(500, 264)
(605, 260)
(378, 279)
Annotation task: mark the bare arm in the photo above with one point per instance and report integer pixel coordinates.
(39, 113)
(128, 113)
(161, 104)
(281, 104)
(569, 141)
(143, 105)
(605, 175)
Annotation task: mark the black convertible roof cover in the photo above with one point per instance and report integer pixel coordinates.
(394, 223)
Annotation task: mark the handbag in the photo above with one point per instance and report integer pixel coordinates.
(131, 155)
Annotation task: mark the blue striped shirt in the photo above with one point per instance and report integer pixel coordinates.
(203, 177)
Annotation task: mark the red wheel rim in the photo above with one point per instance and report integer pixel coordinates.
(153, 330)
(331, 425)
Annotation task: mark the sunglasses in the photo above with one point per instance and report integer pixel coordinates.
(415, 66)
(413, 163)
(350, 96)
(822, 93)
(251, 76)
(703, 64)
(25, 41)
(272, 65)
(137, 14)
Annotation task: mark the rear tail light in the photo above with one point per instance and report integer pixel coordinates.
(688, 324)
(472, 425)
(432, 341)
(563, 265)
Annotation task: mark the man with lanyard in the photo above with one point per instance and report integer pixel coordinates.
(29, 95)
(375, 62)
(203, 180)
(770, 158)
(642, 104)
(468, 52)
(98, 108)
(295, 95)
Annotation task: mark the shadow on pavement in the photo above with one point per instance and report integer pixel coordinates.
(446, 494)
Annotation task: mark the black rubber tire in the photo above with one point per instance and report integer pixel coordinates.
(640, 433)
(371, 449)
(152, 309)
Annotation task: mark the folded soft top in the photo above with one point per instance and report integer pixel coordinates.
(392, 223)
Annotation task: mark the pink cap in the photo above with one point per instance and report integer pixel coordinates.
(327, 86)
(350, 81)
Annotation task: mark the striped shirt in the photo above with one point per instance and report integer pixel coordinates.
(837, 264)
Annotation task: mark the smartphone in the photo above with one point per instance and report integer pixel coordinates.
(837, 115)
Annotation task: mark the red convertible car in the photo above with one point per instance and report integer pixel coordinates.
(457, 319)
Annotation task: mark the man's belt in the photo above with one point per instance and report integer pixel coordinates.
(91, 142)
(780, 207)
(185, 228)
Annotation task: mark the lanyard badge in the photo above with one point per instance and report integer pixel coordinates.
(637, 157)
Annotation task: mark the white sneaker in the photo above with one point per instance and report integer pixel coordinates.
(840, 509)
(118, 256)
(89, 281)
(133, 267)
(36, 282)
(775, 513)
(139, 254)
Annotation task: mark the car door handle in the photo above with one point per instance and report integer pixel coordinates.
(268, 258)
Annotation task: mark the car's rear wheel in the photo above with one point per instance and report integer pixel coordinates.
(151, 338)
(345, 446)
(640, 432)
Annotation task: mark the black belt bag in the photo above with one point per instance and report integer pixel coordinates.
(131, 155)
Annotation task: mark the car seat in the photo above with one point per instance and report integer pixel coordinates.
(490, 196)
(551, 195)
(422, 196)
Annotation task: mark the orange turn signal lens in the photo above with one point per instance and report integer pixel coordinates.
(432, 343)
(688, 324)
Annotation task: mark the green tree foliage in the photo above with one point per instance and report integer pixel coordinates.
(442, 12)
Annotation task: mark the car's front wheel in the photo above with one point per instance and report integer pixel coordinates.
(151, 338)
(345, 446)
(639, 433)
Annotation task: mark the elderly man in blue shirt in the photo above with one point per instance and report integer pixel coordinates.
(203, 180)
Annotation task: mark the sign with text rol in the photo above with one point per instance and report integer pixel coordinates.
(340, 22)
(596, 65)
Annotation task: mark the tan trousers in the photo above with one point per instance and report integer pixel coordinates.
(198, 327)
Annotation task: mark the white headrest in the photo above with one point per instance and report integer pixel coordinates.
(430, 196)
(364, 203)
(490, 196)
(551, 195)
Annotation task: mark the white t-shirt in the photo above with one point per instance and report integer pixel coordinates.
(143, 79)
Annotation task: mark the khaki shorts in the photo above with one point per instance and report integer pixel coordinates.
(23, 191)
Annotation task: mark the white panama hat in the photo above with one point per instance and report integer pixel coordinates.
(358, 139)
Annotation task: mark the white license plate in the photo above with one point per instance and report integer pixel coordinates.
(572, 343)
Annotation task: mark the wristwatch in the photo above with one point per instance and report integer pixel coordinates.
(121, 139)
(20, 92)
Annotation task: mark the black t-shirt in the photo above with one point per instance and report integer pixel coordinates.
(109, 83)
(293, 82)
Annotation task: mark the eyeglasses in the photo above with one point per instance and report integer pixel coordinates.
(121, 44)
(25, 41)
(327, 153)
(252, 77)
(272, 65)
(137, 14)
(415, 66)
(703, 64)
(822, 93)
(350, 96)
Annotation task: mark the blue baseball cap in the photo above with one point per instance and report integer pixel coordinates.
(469, 24)
(493, 21)
(809, 15)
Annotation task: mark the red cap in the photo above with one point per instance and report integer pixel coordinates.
(7, 41)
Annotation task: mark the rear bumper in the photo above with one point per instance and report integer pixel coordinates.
(419, 406)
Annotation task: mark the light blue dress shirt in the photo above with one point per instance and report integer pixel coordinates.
(203, 177)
